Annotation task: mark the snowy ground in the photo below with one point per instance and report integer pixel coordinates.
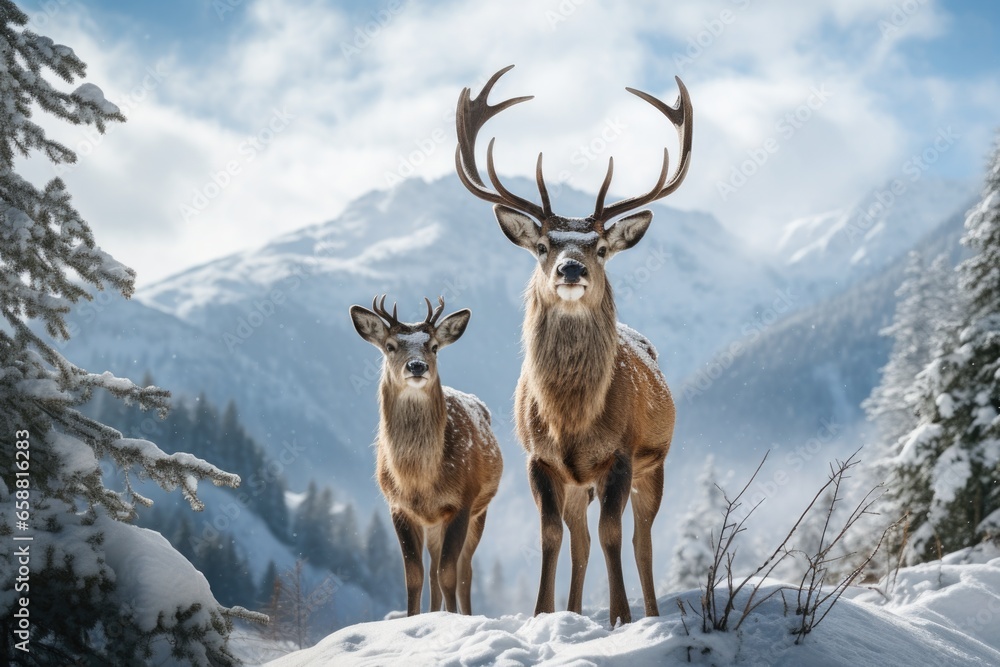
(941, 613)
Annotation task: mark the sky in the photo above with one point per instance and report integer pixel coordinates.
(251, 118)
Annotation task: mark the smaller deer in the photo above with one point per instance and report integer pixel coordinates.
(437, 462)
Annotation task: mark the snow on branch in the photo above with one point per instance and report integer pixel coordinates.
(169, 470)
(71, 385)
(52, 384)
(48, 253)
(26, 54)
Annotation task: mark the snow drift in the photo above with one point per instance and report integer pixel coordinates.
(941, 613)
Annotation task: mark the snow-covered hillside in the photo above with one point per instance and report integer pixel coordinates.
(939, 614)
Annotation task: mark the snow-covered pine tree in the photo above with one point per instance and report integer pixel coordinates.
(949, 464)
(925, 314)
(923, 326)
(384, 563)
(95, 589)
(694, 550)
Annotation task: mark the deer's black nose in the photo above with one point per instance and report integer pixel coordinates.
(416, 367)
(571, 270)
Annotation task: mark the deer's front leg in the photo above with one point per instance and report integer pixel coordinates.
(434, 535)
(549, 496)
(411, 542)
(614, 491)
(451, 550)
(575, 515)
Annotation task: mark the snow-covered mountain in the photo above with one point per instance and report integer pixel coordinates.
(423, 239)
(811, 368)
(825, 253)
(269, 328)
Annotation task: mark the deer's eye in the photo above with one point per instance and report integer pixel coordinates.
(541, 249)
(390, 347)
(602, 251)
(434, 348)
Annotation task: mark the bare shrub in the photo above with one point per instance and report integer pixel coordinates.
(818, 589)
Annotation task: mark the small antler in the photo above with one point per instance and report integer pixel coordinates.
(378, 307)
(470, 117)
(681, 115)
(433, 316)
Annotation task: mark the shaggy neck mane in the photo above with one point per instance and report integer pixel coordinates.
(413, 423)
(569, 360)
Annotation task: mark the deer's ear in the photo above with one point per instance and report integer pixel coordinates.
(452, 327)
(629, 230)
(519, 228)
(369, 325)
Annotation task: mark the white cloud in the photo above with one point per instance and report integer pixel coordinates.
(362, 103)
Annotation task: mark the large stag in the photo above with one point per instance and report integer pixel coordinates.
(592, 408)
(437, 461)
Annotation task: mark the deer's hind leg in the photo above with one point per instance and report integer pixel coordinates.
(452, 544)
(613, 491)
(647, 492)
(476, 527)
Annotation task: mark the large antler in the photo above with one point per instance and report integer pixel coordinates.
(681, 115)
(378, 307)
(470, 117)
